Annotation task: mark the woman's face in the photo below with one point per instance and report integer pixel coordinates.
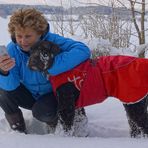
(26, 37)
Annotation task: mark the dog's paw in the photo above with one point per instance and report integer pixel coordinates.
(67, 117)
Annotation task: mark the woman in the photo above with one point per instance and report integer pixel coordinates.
(21, 87)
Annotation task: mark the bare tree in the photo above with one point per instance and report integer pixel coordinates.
(64, 23)
(71, 23)
(140, 27)
(84, 22)
(111, 27)
(140, 30)
(58, 21)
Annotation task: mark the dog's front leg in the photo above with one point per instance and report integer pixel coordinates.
(138, 117)
(67, 94)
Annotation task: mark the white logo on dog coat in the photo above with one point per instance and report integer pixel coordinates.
(77, 80)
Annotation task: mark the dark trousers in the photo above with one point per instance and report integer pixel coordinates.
(44, 109)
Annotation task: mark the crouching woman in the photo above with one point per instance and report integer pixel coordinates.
(22, 87)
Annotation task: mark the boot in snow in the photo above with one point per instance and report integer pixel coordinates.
(16, 122)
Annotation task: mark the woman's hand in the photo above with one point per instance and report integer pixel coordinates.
(6, 63)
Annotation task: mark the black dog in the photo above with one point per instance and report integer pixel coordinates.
(42, 57)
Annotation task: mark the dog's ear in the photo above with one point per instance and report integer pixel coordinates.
(54, 48)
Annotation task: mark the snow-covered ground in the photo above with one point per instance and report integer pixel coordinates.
(107, 126)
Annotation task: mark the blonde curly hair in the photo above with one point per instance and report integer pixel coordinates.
(27, 18)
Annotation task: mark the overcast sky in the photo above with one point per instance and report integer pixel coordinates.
(51, 2)
(65, 3)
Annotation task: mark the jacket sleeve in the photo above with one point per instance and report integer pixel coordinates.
(11, 81)
(73, 53)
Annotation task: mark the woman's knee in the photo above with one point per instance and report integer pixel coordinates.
(44, 114)
(9, 95)
(10, 101)
(45, 109)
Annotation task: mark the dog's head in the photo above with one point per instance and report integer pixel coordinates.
(42, 55)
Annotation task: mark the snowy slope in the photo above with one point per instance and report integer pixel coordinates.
(107, 126)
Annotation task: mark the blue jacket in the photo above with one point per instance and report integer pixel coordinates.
(73, 53)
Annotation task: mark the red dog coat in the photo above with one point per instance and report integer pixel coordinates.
(123, 77)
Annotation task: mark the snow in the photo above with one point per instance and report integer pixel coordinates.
(107, 125)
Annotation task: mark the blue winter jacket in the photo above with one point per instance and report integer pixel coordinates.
(73, 53)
